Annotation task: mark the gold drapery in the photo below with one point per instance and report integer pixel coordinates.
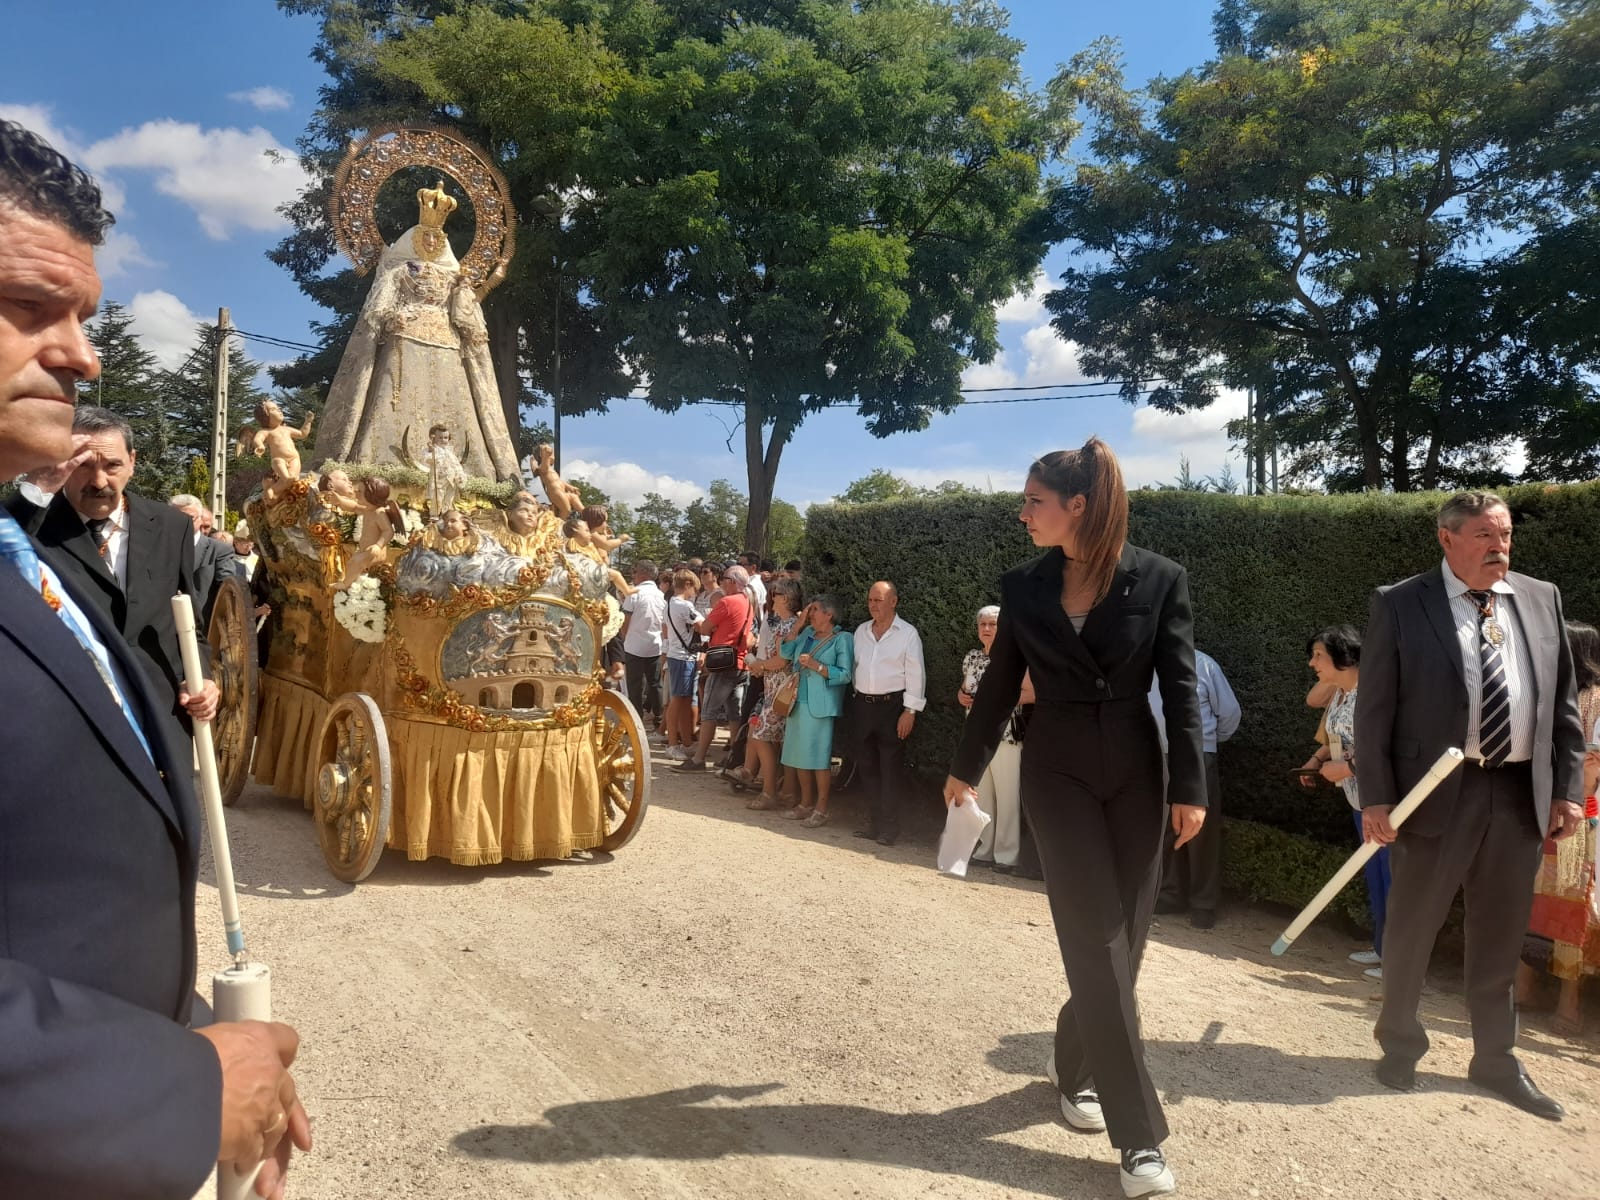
(473, 798)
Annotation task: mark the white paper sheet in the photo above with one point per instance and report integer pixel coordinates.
(963, 826)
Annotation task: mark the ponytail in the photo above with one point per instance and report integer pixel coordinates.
(1093, 473)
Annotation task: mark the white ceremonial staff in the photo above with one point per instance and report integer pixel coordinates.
(1446, 763)
(244, 991)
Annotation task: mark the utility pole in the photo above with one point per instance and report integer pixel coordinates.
(1249, 441)
(219, 418)
(555, 403)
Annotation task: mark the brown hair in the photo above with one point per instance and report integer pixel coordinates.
(1093, 473)
(375, 489)
(685, 578)
(261, 410)
(594, 515)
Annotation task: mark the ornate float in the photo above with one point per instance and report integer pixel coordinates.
(433, 679)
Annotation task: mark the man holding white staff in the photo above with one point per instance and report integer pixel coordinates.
(1468, 654)
(104, 1091)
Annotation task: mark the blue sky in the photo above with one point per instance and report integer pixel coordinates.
(172, 104)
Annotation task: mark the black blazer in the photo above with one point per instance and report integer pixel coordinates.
(161, 563)
(213, 562)
(1143, 629)
(1412, 703)
(106, 1093)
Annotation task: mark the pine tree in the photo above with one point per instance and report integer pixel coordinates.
(130, 385)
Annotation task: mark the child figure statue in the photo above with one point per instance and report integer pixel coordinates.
(445, 473)
(581, 541)
(276, 441)
(379, 519)
(564, 498)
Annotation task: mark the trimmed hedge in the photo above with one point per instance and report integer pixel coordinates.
(1264, 572)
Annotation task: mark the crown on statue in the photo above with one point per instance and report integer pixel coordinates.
(434, 206)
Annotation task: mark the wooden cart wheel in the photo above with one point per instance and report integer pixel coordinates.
(622, 756)
(232, 637)
(353, 787)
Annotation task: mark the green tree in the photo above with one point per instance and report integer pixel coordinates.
(1352, 209)
(130, 385)
(188, 398)
(786, 532)
(656, 526)
(713, 525)
(883, 484)
(807, 205)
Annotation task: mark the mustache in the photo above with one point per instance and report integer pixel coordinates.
(1494, 556)
(90, 492)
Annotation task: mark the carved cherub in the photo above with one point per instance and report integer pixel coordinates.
(380, 516)
(598, 520)
(277, 441)
(581, 541)
(454, 535)
(445, 474)
(564, 498)
(531, 529)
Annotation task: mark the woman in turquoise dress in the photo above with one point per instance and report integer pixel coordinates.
(825, 656)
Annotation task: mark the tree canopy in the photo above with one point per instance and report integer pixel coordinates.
(1379, 214)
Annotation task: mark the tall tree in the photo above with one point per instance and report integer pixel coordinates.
(1344, 210)
(130, 385)
(713, 525)
(656, 526)
(805, 205)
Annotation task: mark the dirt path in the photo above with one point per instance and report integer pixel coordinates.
(732, 1007)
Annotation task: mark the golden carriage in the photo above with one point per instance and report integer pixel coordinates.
(446, 705)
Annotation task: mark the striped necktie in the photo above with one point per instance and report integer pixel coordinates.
(16, 549)
(1494, 697)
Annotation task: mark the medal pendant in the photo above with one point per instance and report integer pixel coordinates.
(1493, 633)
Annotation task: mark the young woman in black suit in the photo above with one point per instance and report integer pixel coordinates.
(1094, 619)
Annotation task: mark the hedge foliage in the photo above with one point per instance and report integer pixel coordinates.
(1265, 573)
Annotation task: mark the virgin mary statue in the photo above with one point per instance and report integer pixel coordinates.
(419, 357)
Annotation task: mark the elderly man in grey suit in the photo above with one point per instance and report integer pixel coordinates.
(1469, 654)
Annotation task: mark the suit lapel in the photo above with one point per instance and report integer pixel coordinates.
(1047, 577)
(1436, 603)
(45, 638)
(63, 527)
(1104, 615)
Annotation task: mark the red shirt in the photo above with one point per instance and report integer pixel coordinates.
(728, 623)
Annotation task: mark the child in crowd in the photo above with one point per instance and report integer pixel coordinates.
(682, 645)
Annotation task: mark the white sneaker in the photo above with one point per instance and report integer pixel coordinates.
(1366, 958)
(1145, 1173)
(1375, 973)
(1081, 1110)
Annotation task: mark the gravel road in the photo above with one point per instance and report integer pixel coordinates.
(733, 1007)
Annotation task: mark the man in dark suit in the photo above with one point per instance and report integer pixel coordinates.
(106, 1093)
(1474, 656)
(128, 554)
(213, 559)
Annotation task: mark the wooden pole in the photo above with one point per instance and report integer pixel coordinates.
(219, 418)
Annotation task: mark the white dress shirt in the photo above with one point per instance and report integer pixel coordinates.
(646, 609)
(892, 663)
(114, 536)
(1513, 652)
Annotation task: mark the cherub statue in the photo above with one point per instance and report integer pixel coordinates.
(532, 530)
(598, 520)
(564, 498)
(380, 516)
(445, 475)
(453, 536)
(581, 541)
(276, 441)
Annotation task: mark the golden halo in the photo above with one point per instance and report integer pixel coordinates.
(370, 162)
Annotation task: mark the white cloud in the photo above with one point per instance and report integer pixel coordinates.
(1026, 307)
(265, 99)
(165, 326)
(1197, 426)
(231, 178)
(628, 482)
(119, 254)
(1046, 359)
(1005, 478)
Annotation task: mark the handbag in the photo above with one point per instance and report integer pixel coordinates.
(785, 695)
(721, 658)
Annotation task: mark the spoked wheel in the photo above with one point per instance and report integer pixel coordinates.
(622, 757)
(353, 787)
(232, 636)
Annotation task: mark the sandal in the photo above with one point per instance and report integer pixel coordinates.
(762, 803)
(797, 813)
(816, 820)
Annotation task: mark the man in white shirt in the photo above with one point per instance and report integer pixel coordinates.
(891, 688)
(1191, 875)
(758, 586)
(641, 640)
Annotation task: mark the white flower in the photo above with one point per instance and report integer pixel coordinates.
(361, 611)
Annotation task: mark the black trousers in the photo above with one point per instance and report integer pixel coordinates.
(881, 761)
(644, 683)
(1092, 792)
(1491, 848)
(1193, 876)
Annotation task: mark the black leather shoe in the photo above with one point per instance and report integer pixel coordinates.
(1165, 907)
(866, 835)
(1520, 1091)
(1397, 1073)
(1203, 918)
